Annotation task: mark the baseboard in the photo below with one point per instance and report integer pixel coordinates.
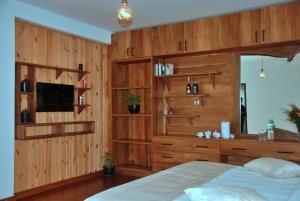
(13, 198)
(41, 189)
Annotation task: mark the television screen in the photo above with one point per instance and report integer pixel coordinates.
(54, 97)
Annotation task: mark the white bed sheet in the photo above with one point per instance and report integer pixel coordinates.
(165, 185)
(273, 189)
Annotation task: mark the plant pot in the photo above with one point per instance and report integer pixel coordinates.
(25, 117)
(109, 171)
(25, 86)
(134, 108)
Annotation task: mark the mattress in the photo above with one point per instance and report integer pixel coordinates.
(165, 185)
(271, 188)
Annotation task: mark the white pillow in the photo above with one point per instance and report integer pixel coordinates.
(272, 167)
(223, 193)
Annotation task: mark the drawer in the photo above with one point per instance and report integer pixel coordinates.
(255, 149)
(182, 157)
(187, 145)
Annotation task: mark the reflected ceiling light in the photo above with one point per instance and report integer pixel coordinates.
(125, 15)
(262, 74)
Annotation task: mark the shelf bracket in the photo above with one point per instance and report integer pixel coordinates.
(80, 75)
(58, 73)
(212, 80)
(166, 83)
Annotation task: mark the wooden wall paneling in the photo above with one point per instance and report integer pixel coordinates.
(167, 39)
(41, 162)
(30, 43)
(203, 34)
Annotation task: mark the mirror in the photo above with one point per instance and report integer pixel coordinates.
(266, 98)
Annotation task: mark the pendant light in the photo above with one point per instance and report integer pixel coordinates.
(262, 74)
(125, 15)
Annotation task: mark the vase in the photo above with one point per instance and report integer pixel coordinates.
(134, 108)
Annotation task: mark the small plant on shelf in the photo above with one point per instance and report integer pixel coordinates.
(109, 167)
(133, 102)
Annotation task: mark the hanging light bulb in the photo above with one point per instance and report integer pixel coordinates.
(124, 15)
(262, 74)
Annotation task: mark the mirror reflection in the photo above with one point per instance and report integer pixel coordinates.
(268, 86)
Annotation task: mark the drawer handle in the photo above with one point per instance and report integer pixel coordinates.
(239, 149)
(201, 160)
(167, 156)
(167, 144)
(201, 146)
(285, 152)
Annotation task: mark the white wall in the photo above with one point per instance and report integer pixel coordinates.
(9, 9)
(266, 98)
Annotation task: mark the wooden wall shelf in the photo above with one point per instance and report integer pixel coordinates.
(59, 70)
(58, 129)
(131, 115)
(132, 141)
(189, 117)
(133, 87)
(210, 74)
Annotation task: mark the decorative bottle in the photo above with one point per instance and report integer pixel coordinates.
(195, 88)
(188, 88)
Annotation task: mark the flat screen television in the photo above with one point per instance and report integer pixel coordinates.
(54, 97)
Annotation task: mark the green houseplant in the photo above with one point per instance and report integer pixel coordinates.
(133, 102)
(109, 167)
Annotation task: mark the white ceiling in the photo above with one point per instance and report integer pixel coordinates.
(102, 13)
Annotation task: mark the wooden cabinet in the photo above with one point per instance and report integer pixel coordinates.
(170, 151)
(202, 35)
(167, 39)
(132, 44)
(194, 36)
(280, 23)
(230, 31)
(242, 151)
(270, 25)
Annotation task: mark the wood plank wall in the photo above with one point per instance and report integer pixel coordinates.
(45, 161)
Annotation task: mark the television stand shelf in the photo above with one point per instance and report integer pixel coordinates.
(54, 129)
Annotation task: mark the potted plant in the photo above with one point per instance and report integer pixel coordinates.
(109, 167)
(294, 116)
(133, 102)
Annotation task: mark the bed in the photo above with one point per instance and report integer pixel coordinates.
(169, 185)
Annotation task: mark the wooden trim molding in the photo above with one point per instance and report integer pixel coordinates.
(55, 185)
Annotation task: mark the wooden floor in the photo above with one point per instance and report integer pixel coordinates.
(80, 191)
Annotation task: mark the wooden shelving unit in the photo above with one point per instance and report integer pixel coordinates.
(55, 129)
(132, 133)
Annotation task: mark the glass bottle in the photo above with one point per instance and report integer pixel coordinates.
(195, 88)
(188, 88)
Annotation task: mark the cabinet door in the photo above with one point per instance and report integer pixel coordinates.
(167, 39)
(230, 31)
(280, 23)
(140, 45)
(250, 28)
(121, 45)
(201, 35)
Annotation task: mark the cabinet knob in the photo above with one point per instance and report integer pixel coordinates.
(127, 52)
(185, 45)
(131, 51)
(256, 36)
